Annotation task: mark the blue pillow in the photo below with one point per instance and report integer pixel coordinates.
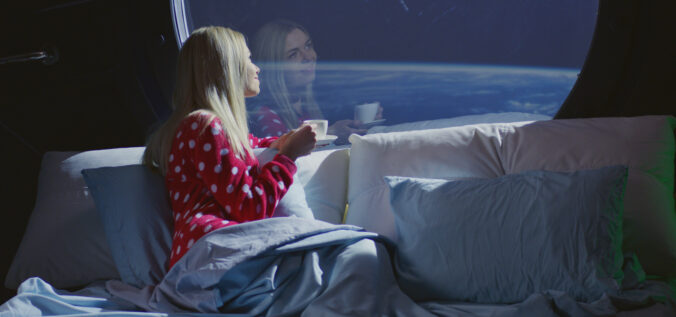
(133, 204)
(502, 239)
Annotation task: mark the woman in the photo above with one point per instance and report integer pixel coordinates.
(204, 150)
(289, 59)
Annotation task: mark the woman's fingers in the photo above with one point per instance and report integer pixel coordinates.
(299, 143)
(379, 114)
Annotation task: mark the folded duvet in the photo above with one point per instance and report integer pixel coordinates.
(280, 266)
(300, 267)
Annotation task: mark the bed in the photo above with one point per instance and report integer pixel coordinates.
(532, 218)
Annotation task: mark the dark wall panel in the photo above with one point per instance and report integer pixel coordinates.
(110, 84)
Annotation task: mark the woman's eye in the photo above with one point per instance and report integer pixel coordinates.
(292, 55)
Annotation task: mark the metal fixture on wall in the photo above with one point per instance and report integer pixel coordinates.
(47, 56)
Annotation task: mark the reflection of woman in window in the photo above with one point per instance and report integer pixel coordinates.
(286, 53)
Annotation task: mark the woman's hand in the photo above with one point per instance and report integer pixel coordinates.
(299, 142)
(277, 144)
(379, 114)
(344, 128)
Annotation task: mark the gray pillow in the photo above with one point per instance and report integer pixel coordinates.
(499, 240)
(64, 242)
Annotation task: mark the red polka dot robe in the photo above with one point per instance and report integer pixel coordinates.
(211, 187)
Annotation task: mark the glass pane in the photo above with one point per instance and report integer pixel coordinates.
(449, 61)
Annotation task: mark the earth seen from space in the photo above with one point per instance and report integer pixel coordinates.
(424, 91)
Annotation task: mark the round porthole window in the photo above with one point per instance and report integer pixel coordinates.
(421, 64)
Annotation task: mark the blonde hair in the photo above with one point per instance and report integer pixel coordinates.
(268, 50)
(211, 78)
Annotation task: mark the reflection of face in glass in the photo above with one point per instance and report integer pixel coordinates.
(300, 57)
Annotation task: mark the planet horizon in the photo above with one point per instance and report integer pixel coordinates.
(426, 91)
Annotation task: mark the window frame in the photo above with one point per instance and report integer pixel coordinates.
(181, 30)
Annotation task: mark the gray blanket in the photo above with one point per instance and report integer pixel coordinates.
(300, 267)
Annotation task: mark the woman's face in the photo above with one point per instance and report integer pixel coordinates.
(252, 86)
(300, 59)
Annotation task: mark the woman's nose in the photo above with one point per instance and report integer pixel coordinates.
(309, 55)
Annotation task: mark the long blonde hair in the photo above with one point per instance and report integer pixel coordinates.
(210, 77)
(268, 50)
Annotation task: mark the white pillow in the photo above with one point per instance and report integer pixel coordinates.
(64, 242)
(293, 203)
(644, 144)
(459, 152)
(460, 120)
(324, 177)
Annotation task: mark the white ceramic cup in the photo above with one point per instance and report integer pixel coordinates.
(319, 126)
(366, 112)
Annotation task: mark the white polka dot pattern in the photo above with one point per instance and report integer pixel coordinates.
(198, 198)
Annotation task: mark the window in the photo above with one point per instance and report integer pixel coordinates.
(421, 60)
